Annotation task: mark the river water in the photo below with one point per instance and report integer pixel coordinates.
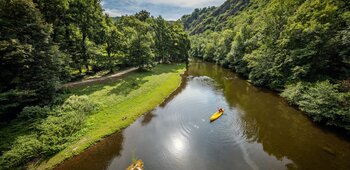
(257, 131)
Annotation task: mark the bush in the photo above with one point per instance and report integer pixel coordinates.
(80, 104)
(322, 101)
(56, 131)
(32, 113)
(24, 149)
(53, 130)
(59, 129)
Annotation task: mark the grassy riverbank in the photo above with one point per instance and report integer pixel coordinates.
(119, 102)
(122, 102)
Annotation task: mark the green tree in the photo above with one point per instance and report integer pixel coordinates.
(307, 39)
(162, 39)
(179, 42)
(238, 50)
(55, 13)
(29, 62)
(143, 15)
(140, 50)
(87, 16)
(223, 47)
(113, 41)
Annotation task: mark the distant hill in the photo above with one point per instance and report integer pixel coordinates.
(115, 19)
(212, 18)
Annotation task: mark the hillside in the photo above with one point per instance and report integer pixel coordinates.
(212, 18)
(299, 48)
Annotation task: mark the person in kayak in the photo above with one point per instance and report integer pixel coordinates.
(221, 110)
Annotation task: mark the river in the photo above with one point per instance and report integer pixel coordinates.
(257, 131)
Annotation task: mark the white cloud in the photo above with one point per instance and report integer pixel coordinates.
(169, 9)
(114, 12)
(186, 3)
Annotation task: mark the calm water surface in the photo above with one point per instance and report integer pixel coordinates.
(258, 131)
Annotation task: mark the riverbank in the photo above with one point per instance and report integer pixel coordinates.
(119, 103)
(122, 103)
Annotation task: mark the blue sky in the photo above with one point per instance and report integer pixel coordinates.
(169, 9)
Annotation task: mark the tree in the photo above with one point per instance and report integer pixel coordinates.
(112, 38)
(307, 39)
(29, 62)
(223, 47)
(55, 13)
(142, 15)
(140, 49)
(179, 42)
(162, 39)
(87, 16)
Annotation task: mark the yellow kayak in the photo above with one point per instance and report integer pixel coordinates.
(216, 115)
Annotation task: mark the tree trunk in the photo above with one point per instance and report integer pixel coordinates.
(84, 52)
(109, 58)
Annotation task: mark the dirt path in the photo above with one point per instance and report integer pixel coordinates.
(100, 79)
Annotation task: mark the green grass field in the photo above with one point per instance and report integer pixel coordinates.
(121, 103)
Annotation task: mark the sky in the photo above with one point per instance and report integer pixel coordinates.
(168, 9)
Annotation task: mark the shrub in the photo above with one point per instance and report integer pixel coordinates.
(56, 131)
(293, 93)
(32, 113)
(53, 130)
(80, 104)
(322, 101)
(60, 128)
(24, 149)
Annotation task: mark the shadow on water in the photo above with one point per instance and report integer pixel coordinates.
(147, 118)
(111, 148)
(182, 86)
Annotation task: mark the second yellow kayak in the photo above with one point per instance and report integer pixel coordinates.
(216, 115)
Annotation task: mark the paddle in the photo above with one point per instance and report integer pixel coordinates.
(219, 109)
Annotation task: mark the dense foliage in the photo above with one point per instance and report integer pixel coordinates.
(279, 44)
(47, 131)
(322, 101)
(29, 61)
(212, 18)
(46, 42)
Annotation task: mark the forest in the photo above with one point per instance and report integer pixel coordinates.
(298, 48)
(46, 43)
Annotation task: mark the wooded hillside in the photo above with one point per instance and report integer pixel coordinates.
(300, 48)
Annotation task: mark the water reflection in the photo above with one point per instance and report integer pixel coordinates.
(257, 131)
(178, 90)
(98, 156)
(147, 118)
